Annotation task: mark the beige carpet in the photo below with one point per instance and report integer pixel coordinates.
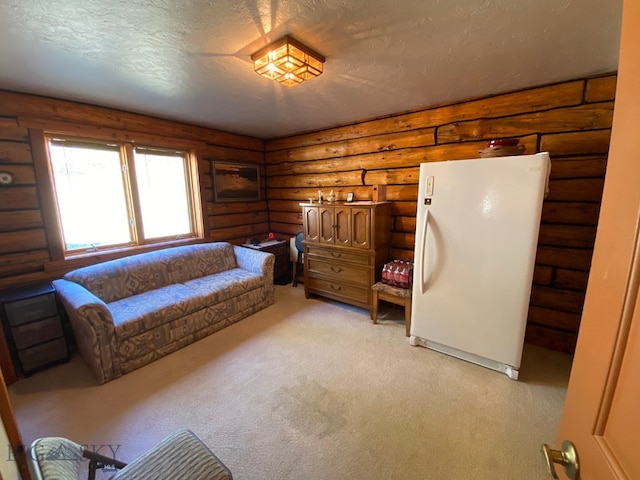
(310, 389)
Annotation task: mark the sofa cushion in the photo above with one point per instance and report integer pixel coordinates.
(195, 261)
(222, 286)
(142, 312)
(123, 277)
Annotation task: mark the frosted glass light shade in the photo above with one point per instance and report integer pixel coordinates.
(288, 62)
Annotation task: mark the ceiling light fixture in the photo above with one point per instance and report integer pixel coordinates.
(288, 62)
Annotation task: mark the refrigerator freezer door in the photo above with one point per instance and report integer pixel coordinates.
(476, 235)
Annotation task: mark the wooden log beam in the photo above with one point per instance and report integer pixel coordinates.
(535, 99)
(15, 152)
(346, 148)
(581, 117)
(318, 180)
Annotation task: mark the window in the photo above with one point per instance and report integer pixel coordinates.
(114, 195)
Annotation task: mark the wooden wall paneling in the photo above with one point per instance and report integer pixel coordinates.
(46, 108)
(396, 176)
(587, 142)
(552, 338)
(285, 229)
(529, 100)
(406, 209)
(14, 198)
(318, 180)
(542, 275)
(19, 219)
(20, 241)
(229, 154)
(571, 258)
(368, 161)
(235, 207)
(581, 117)
(15, 152)
(396, 252)
(285, 217)
(571, 120)
(238, 219)
(552, 318)
(601, 89)
(346, 148)
(584, 167)
(577, 236)
(23, 262)
(564, 300)
(576, 190)
(239, 232)
(10, 130)
(404, 224)
(283, 205)
(23, 174)
(579, 213)
(571, 279)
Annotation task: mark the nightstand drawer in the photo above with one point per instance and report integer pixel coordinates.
(37, 332)
(30, 309)
(43, 354)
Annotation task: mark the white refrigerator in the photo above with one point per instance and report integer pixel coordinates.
(476, 235)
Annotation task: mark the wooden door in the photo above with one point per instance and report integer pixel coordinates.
(310, 221)
(327, 228)
(601, 409)
(343, 226)
(361, 227)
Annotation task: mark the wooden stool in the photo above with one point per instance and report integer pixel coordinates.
(396, 295)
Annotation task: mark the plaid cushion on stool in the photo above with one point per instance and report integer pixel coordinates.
(390, 290)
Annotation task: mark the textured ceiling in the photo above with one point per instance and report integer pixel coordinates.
(190, 60)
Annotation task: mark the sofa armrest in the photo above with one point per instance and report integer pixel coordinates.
(93, 328)
(256, 261)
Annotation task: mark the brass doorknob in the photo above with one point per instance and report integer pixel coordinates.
(567, 457)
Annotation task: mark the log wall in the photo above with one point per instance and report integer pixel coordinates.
(570, 120)
(24, 246)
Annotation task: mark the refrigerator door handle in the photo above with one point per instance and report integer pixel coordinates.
(424, 260)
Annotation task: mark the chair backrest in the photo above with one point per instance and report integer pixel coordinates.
(295, 246)
(299, 238)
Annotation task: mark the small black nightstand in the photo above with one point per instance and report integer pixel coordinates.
(33, 327)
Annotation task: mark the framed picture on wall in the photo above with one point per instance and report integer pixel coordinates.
(235, 182)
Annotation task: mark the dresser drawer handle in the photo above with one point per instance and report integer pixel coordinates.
(336, 254)
(336, 269)
(337, 288)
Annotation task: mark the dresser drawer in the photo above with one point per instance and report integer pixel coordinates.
(33, 333)
(43, 354)
(338, 289)
(339, 271)
(340, 255)
(30, 309)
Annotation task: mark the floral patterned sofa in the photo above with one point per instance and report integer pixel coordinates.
(128, 312)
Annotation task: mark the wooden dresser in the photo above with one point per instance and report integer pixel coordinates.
(345, 247)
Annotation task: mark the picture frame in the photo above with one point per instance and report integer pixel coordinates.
(350, 197)
(236, 182)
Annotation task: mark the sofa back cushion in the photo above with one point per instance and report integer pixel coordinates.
(128, 276)
(195, 261)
